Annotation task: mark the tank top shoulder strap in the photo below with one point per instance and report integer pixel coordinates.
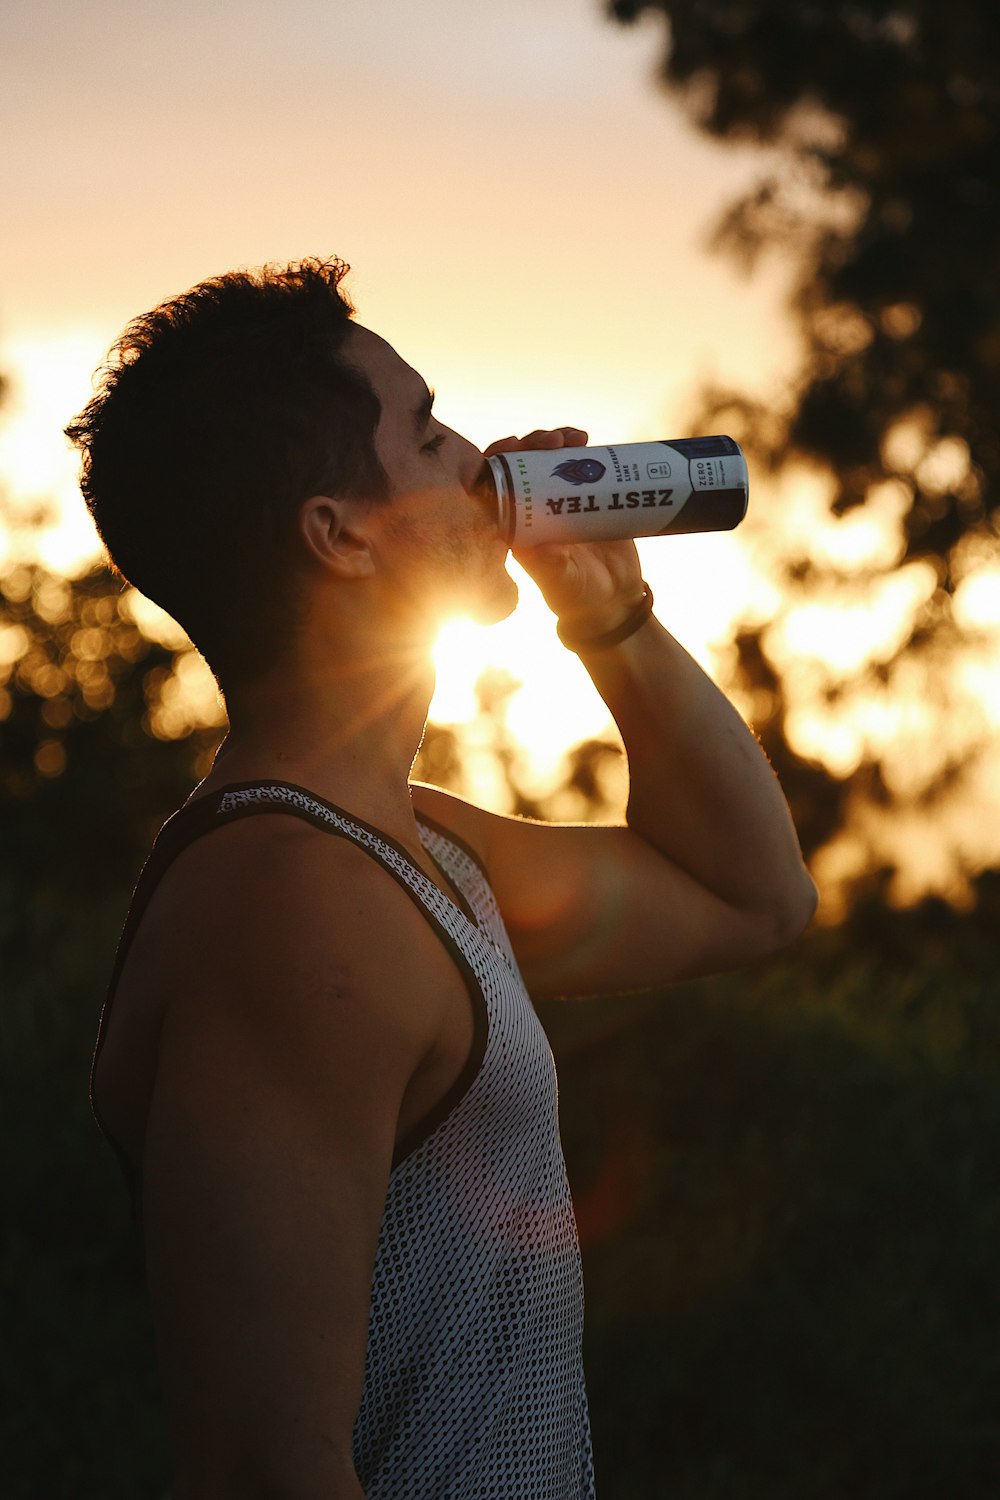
(253, 799)
(241, 800)
(189, 823)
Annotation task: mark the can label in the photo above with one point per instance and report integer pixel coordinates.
(631, 490)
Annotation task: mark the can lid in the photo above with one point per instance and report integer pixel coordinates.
(496, 477)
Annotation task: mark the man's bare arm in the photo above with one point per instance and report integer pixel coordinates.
(708, 873)
(270, 1136)
(701, 791)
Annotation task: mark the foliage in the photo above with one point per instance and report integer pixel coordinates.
(591, 784)
(896, 109)
(787, 1191)
(881, 123)
(81, 694)
(84, 784)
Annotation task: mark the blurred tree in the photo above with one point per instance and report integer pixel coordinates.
(95, 752)
(488, 762)
(94, 755)
(881, 121)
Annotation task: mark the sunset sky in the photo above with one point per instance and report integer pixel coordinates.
(524, 209)
(526, 212)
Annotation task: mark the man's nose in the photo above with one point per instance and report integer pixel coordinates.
(470, 461)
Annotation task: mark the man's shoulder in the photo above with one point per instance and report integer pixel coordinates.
(266, 859)
(267, 897)
(278, 941)
(261, 936)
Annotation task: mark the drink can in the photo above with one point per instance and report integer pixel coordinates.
(604, 493)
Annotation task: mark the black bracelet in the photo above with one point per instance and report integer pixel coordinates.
(636, 617)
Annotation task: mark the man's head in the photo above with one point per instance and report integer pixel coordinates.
(216, 416)
(434, 549)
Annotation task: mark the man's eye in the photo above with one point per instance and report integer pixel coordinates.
(434, 444)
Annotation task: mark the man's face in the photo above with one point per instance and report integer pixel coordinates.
(436, 539)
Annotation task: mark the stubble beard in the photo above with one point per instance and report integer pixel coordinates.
(460, 573)
(477, 583)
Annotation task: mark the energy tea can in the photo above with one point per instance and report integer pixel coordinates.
(599, 494)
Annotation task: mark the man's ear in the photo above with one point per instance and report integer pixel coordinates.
(335, 536)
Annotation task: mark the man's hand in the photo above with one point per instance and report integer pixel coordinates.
(591, 586)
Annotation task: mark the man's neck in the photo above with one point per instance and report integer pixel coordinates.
(348, 733)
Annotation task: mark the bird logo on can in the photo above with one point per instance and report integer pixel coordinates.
(579, 470)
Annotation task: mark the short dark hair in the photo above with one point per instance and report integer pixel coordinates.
(214, 417)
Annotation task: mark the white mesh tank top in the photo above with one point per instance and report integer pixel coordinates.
(473, 1386)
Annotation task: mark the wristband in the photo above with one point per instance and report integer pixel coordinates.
(631, 623)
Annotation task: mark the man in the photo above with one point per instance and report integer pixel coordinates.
(321, 1067)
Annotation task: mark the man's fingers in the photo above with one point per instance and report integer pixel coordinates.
(542, 437)
(502, 445)
(554, 437)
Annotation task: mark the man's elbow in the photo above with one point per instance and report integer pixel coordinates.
(792, 911)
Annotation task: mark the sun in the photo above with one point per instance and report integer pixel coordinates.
(553, 704)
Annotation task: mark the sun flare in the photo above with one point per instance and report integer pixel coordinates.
(551, 704)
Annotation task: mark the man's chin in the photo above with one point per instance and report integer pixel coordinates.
(491, 605)
(483, 596)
